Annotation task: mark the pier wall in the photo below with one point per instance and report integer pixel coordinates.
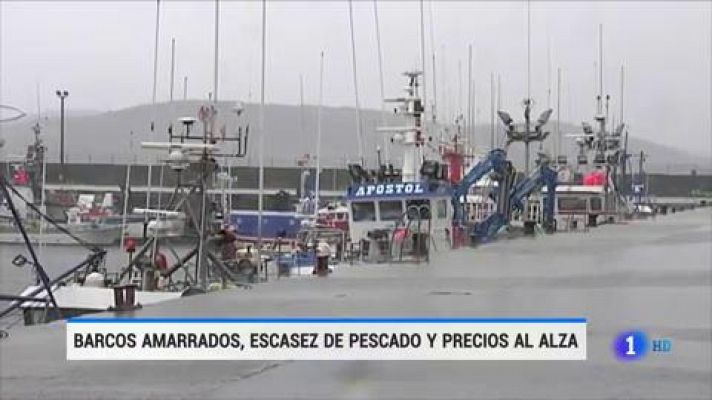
(246, 181)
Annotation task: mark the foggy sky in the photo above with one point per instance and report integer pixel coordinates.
(102, 52)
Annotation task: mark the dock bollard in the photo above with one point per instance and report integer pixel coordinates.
(125, 298)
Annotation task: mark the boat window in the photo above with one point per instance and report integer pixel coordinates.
(423, 205)
(596, 204)
(364, 211)
(391, 210)
(572, 204)
(340, 216)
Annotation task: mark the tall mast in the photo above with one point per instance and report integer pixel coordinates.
(358, 107)
(599, 109)
(422, 61)
(470, 113)
(621, 99)
(529, 46)
(499, 104)
(301, 106)
(558, 112)
(432, 47)
(492, 110)
(155, 51)
(260, 197)
(173, 65)
(548, 73)
(318, 132)
(216, 51)
(153, 103)
(380, 77)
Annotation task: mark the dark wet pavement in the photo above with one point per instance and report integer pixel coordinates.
(652, 275)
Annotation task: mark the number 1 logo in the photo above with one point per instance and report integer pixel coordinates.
(630, 345)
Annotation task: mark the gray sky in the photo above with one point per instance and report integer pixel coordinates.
(102, 52)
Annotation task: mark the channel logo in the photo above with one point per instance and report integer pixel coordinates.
(634, 345)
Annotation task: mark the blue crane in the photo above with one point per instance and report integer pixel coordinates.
(502, 171)
(542, 176)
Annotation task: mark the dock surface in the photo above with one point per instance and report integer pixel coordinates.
(651, 274)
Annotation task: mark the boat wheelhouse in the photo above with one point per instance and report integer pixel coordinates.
(579, 206)
(421, 207)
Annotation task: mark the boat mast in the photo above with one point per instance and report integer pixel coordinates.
(380, 78)
(358, 107)
(422, 61)
(216, 51)
(260, 197)
(318, 132)
(470, 100)
(153, 106)
(126, 193)
(432, 49)
(558, 112)
(173, 65)
(492, 110)
(40, 149)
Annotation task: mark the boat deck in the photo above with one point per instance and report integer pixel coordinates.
(649, 274)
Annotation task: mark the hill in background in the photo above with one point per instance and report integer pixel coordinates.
(115, 136)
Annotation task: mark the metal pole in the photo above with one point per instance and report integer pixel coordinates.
(558, 112)
(173, 65)
(318, 132)
(491, 110)
(422, 60)
(126, 195)
(358, 108)
(155, 50)
(380, 77)
(621, 100)
(260, 197)
(43, 199)
(215, 63)
(61, 132)
(153, 102)
(529, 47)
(459, 101)
(470, 100)
(432, 46)
(499, 103)
(185, 88)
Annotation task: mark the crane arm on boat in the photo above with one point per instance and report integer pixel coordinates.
(496, 161)
(542, 176)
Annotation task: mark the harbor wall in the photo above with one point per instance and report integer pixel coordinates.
(246, 181)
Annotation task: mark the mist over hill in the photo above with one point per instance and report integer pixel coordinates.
(290, 132)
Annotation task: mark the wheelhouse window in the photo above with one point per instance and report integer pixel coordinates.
(572, 204)
(363, 211)
(422, 206)
(391, 210)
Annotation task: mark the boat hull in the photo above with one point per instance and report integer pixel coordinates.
(98, 236)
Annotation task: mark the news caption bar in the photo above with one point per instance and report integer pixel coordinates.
(326, 339)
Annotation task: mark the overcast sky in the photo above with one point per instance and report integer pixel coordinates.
(102, 52)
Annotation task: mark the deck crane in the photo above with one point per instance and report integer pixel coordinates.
(502, 172)
(542, 176)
